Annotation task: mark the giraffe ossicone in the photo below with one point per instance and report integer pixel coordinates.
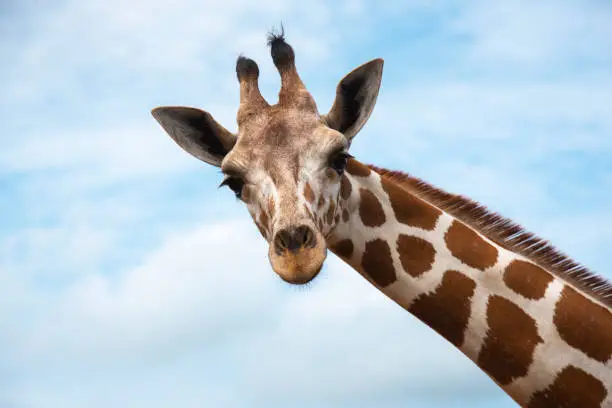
(538, 323)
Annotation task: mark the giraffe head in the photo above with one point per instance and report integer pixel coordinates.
(286, 161)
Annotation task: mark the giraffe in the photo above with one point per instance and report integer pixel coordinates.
(535, 321)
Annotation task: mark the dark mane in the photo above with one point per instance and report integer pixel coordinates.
(507, 234)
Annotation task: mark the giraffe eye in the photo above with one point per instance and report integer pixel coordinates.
(235, 184)
(338, 161)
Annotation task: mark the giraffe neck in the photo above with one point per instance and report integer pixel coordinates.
(545, 342)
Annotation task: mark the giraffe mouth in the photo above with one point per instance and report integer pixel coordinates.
(302, 280)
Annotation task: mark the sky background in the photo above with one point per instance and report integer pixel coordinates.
(128, 280)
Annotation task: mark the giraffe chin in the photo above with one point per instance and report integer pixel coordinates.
(298, 267)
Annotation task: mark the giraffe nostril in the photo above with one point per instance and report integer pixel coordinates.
(281, 242)
(307, 236)
(293, 239)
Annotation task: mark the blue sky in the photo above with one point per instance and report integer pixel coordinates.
(128, 280)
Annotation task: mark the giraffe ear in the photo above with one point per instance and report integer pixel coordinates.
(196, 132)
(355, 99)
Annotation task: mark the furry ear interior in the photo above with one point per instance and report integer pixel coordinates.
(356, 96)
(196, 132)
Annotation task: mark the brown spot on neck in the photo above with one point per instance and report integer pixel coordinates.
(469, 247)
(378, 264)
(507, 351)
(370, 209)
(584, 325)
(447, 310)
(506, 233)
(408, 208)
(527, 279)
(572, 388)
(416, 254)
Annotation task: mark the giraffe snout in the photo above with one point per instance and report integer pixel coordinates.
(297, 253)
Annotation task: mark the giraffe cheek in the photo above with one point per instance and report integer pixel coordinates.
(262, 221)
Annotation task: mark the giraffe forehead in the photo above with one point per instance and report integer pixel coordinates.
(280, 128)
(283, 140)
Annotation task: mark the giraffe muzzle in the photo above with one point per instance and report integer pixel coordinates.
(297, 254)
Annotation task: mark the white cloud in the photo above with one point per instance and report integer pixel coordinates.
(77, 248)
(189, 279)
